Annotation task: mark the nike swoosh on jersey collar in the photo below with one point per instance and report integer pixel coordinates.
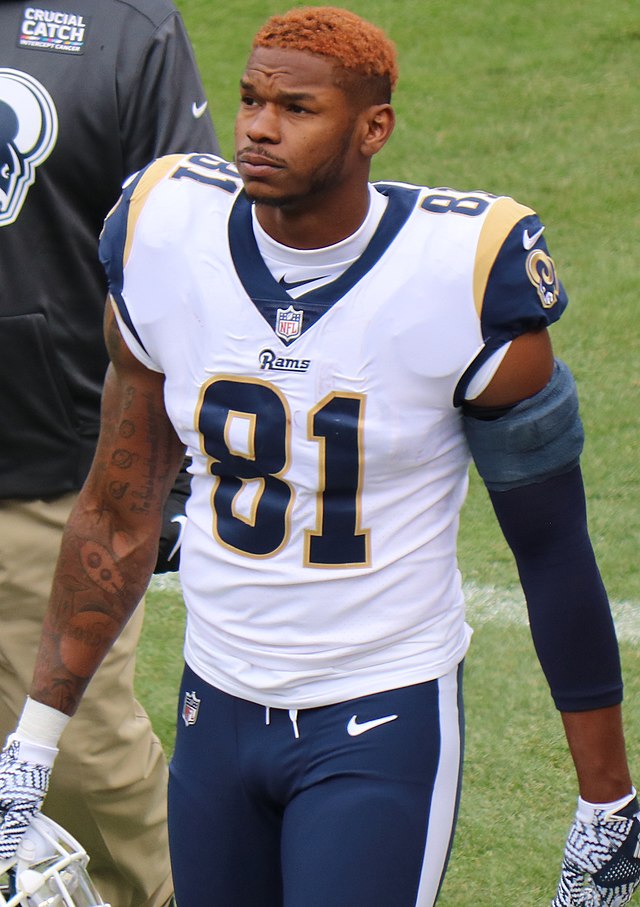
(268, 295)
(298, 283)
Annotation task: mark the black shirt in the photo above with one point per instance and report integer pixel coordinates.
(90, 92)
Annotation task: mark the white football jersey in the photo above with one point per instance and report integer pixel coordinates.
(329, 462)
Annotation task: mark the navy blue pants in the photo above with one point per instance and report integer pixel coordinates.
(344, 805)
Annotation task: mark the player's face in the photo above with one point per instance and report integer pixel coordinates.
(297, 134)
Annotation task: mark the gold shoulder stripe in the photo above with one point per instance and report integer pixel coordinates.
(152, 176)
(502, 216)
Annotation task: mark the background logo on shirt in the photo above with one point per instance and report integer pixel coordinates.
(50, 29)
(28, 133)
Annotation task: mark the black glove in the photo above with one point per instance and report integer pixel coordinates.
(173, 522)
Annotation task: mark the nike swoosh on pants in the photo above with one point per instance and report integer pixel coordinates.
(355, 728)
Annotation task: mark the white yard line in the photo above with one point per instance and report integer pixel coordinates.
(487, 603)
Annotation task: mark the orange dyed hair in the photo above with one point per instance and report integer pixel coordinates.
(362, 51)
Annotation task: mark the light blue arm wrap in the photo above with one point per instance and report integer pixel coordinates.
(536, 439)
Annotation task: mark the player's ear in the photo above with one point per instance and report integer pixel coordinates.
(378, 123)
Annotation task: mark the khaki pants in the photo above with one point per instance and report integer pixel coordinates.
(108, 786)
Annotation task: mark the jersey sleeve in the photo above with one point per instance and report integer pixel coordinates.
(115, 245)
(164, 107)
(516, 285)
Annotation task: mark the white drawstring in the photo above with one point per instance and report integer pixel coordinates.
(293, 717)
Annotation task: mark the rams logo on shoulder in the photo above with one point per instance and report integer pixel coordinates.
(28, 133)
(541, 271)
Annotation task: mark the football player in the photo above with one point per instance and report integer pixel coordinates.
(331, 354)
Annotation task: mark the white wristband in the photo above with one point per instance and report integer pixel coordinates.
(33, 752)
(41, 724)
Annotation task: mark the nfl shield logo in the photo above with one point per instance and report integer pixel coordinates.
(289, 323)
(190, 708)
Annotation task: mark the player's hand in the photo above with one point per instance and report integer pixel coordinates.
(25, 769)
(174, 522)
(168, 560)
(601, 865)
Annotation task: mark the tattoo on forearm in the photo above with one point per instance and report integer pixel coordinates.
(89, 606)
(129, 396)
(123, 459)
(127, 428)
(100, 568)
(118, 490)
(145, 495)
(87, 638)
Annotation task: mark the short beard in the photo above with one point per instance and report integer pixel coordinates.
(325, 178)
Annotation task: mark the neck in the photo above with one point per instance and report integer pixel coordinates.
(305, 225)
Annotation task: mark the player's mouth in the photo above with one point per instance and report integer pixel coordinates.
(257, 165)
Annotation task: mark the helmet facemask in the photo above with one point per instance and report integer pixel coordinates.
(49, 870)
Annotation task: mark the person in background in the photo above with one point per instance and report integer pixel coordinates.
(90, 92)
(331, 353)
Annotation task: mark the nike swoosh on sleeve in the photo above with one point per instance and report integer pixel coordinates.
(529, 242)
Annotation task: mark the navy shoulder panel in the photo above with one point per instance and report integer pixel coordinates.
(523, 291)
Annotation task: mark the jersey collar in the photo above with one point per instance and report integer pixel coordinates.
(269, 297)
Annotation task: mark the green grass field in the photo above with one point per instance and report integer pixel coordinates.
(539, 101)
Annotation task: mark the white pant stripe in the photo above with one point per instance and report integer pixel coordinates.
(443, 804)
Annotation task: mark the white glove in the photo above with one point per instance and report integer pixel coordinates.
(601, 865)
(25, 769)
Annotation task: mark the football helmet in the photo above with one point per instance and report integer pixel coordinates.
(48, 870)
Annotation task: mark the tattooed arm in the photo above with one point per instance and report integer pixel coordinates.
(108, 551)
(110, 543)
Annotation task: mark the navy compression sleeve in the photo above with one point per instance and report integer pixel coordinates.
(545, 525)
